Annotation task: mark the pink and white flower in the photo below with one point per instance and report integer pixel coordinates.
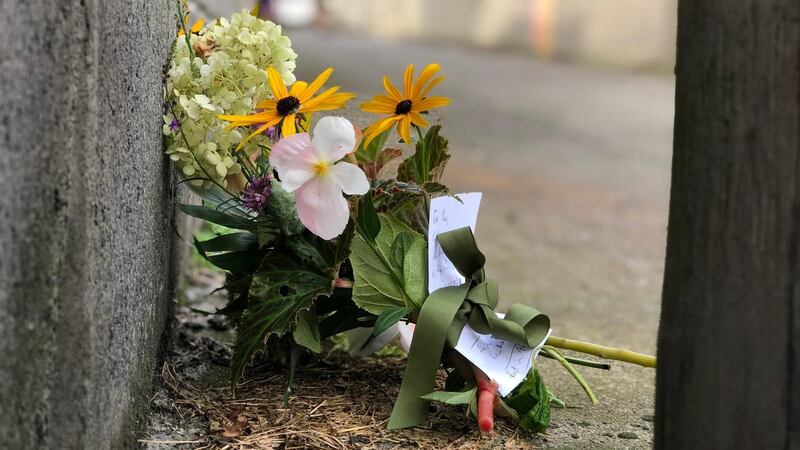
(309, 168)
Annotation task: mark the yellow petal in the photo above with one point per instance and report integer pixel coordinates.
(418, 120)
(430, 86)
(198, 26)
(260, 129)
(379, 127)
(311, 104)
(408, 78)
(288, 128)
(276, 83)
(394, 94)
(315, 85)
(298, 88)
(268, 105)
(430, 103)
(335, 101)
(427, 73)
(379, 105)
(238, 120)
(404, 129)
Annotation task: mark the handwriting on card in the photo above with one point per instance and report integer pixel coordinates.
(504, 362)
(446, 214)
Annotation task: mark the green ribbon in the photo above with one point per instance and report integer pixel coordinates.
(445, 312)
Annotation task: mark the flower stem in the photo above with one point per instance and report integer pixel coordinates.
(617, 354)
(583, 362)
(419, 132)
(555, 354)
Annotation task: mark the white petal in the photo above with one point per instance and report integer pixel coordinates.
(334, 137)
(293, 179)
(321, 207)
(294, 159)
(350, 178)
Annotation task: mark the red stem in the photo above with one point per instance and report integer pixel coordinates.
(487, 396)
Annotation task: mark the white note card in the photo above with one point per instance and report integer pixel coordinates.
(446, 214)
(504, 362)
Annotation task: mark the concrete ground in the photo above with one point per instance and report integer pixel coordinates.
(574, 164)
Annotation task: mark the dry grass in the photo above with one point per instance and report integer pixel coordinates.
(337, 403)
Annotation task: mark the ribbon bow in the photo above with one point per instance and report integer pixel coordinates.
(445, 312)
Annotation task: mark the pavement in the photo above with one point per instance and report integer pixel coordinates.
(574, 164)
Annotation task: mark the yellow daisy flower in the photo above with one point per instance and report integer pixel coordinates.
(405, 109)
(286, 104)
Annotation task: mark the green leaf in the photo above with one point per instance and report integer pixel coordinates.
(343, 242)
(407, 201)
(267, 231)
(237, 262)
(306, 331)
(282, 290)
(531, 401)
(218, 217)
(405, 248)
(452, 398)
(368, 223)
(233, 242)
(371, 152)
(428, 162)
(389, 272)
(388, 318)
(281, 210)
(279, 292)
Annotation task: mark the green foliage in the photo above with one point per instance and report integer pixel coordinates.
(368, 224)
(453, 398)
(219, 217)
(389, 317)
(428, 162)
(281, 290)
(306, 331)
(389, 272)
(232, 242)
(531, 401)
(370, 153)
(407, 201)
(282, 211)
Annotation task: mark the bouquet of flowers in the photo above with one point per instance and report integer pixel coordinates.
(325, 227)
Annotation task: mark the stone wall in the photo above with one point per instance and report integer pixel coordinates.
(86, 219)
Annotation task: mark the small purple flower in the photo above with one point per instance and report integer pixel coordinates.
(175, 125)
(255, 195)
(270, 132)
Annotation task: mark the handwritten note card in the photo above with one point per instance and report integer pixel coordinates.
(446, 214)
(504, 362)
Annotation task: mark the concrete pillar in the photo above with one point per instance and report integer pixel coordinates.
(86, 234)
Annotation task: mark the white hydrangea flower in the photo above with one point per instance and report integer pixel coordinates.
(227, 76)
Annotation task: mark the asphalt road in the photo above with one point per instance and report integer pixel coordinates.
(574, 163)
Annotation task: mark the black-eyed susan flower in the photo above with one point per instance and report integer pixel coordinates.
(405, 109)
(287, 103)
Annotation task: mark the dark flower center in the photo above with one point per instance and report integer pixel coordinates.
(403, 107)
(287, 105)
